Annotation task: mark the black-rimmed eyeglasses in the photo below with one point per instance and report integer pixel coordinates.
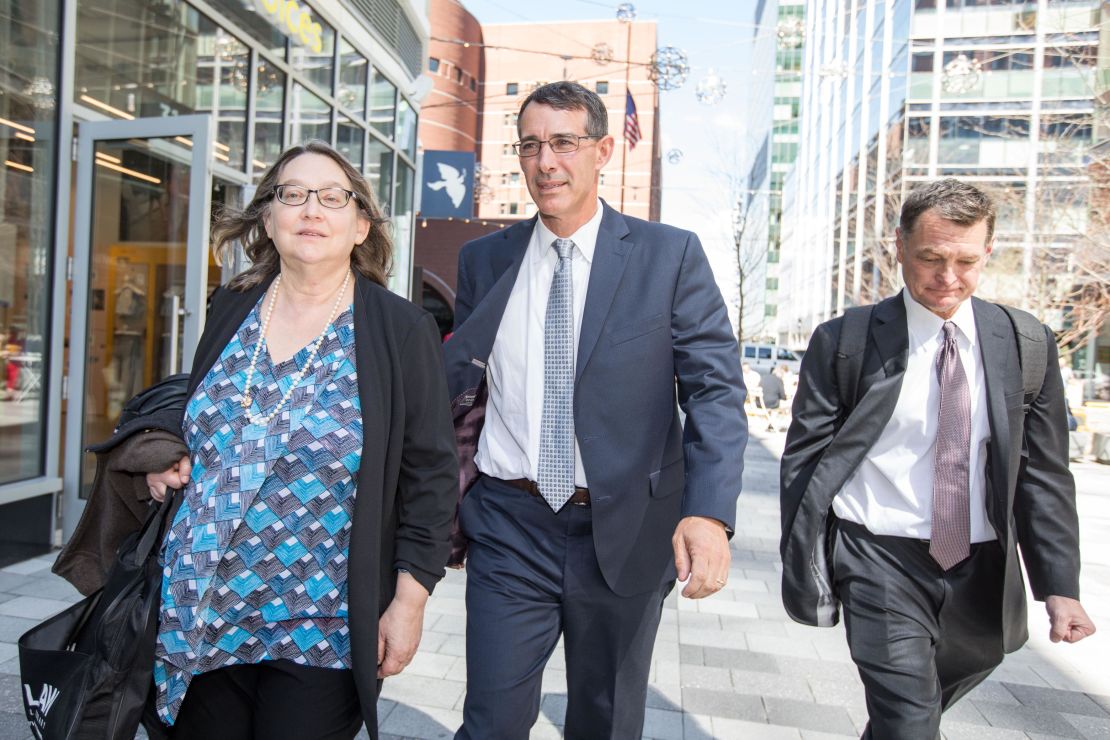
(297, 195)
(561, 144)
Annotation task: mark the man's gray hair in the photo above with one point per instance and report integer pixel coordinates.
(955, 201)
(566, 95)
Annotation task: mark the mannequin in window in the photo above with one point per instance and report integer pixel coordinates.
(130, 331)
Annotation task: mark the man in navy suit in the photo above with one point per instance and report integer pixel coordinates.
(579, 335)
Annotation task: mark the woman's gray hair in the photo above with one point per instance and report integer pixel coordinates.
(955, 201)
(372, 258)
(566, 95)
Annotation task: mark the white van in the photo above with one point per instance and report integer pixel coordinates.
(766, 357)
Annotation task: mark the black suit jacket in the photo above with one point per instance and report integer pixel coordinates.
(405, 495)
(1030, 493)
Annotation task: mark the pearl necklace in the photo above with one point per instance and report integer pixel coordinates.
(246, 403)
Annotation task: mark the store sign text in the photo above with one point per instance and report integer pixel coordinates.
(294, 20)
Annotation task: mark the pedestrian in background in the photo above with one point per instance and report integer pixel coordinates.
(320, 484)
(774, 392)
(908, 485)
(751, 377)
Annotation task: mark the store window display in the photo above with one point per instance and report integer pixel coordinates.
(28, 107)
(129, 332)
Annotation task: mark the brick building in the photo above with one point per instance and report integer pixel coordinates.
(481, 75)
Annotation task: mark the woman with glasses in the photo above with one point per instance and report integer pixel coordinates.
(320, 485)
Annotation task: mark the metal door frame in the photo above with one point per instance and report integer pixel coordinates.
(200, 129)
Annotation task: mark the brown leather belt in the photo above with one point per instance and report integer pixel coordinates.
(581, 496)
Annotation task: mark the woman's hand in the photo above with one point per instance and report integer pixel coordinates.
(400, 627)
(176, 476)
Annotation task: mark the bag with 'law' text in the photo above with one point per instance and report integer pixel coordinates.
(86, 672)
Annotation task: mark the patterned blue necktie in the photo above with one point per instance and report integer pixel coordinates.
(556, 468)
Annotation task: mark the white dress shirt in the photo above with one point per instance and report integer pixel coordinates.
(891, 492)
(509, 446)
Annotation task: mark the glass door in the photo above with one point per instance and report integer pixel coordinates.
(140, 273)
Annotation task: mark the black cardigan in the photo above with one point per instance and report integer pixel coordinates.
(408, 478)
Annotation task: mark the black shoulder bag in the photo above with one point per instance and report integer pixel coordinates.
(86, 672)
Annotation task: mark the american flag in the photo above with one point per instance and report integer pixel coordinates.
(631, 121)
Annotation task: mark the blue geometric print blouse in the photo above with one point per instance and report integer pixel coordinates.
(255, 564)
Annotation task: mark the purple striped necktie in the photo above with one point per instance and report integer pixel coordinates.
(950, 541)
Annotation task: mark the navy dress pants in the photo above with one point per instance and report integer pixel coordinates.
(532, 575)
(920, 637)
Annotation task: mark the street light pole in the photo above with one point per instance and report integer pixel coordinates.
(627, 92)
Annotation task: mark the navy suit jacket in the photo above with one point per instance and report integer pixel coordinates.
(655, 336)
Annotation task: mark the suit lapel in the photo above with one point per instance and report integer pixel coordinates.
(610, 259)
(469, 348)
(881, 386)
(995, 345)
(489, 312)
(891, 335)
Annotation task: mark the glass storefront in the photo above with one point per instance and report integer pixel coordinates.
(136, 59)
(264, 86)
(28, 142)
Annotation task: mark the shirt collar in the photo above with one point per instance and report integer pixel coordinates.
(585, 239)
(924, 325)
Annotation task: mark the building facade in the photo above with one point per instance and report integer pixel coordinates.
(853, 111)
(779, 33)
(450, 120)
(451, 115)
(1006, 95)
(124, 124)
(481, 75)
(522, 56)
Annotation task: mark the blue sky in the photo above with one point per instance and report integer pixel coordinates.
(714, 35)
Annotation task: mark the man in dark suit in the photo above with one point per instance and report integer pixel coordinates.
(906, 492)
(579, 334)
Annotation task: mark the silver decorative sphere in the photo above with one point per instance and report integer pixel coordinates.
(711, 89)
(669, 68)
(41, 92)
(674, 156)
(961, 75)
(835, 70)
(791, 33)
(626, 12)
(346, 97)
(602, 53)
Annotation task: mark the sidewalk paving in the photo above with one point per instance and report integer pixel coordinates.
(732, 666)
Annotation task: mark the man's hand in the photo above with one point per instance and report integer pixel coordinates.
(176, 476)
(701, 554)
(400, 627)
(1068, 619)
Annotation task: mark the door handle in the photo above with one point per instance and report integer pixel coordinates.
(176, 310)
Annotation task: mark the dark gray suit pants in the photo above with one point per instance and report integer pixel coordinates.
(532, 575)
(920, 637)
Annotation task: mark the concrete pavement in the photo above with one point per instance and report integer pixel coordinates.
(732, 666)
